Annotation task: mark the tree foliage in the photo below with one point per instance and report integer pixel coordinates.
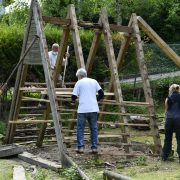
(161, 15)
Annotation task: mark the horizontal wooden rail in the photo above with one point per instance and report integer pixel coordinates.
(110, 113)
(49, 121)
(85, 24)
(29, 89)
(34, 99)
(25, 115)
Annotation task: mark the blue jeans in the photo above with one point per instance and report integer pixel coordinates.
(81, 122)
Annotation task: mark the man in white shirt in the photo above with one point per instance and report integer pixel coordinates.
(53, 56)
(86, 89)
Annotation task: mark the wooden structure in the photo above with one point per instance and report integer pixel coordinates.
(24, 119)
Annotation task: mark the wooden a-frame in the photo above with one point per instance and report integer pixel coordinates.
(38, 54)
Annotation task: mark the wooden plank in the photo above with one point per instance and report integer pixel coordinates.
(10, 150)
(50, 84)
(159, 41)
(19, 173)
(30, 121)
(70, 93)
(34, 89)
(112, 113)
(99, 122)
(34, 99)
(146, 83)
(130, 103)
(76, 37)
(56, 20)
(93, 50)
(85, 24)
(120, 60)
(26, 115)
(20, 79)
(113, 175)
(114, 71)
(38, 161)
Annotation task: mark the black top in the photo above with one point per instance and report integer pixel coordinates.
(173, 102)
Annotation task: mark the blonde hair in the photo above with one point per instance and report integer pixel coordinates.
(174, 88)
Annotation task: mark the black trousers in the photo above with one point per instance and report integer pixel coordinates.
(171, 125)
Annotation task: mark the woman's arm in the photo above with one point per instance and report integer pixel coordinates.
(166, 105)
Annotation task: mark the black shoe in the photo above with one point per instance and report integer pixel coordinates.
(80, 150)
(164, 158)
(94, 151)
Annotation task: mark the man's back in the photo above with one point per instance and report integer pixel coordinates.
(86, 90)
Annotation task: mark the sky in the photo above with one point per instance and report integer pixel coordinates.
(16, 1)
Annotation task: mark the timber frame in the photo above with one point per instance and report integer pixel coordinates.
(38, 55)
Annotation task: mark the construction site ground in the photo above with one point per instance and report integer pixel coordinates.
(146, 166)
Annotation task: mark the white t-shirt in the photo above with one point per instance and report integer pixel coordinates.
(86, 90)
(53, 58)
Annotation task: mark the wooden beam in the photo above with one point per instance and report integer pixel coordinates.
(62, 50)
(10, 150)
(56, 20)
(146, 83)
(113, 175)
(50, 84)
(159, 41)
(38, 161)
(93, 50)
(120, 60)
(114, 70)
(85, 24)
(76, 37)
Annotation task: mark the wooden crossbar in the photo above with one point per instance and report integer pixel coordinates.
(50, 121)
(85, 24)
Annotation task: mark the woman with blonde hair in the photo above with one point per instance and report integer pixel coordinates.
(172, 124)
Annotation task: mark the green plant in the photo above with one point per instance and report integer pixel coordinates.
(71, 174)
(141, 161)
(41, 174)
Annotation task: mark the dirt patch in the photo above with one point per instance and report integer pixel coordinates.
(106, 153)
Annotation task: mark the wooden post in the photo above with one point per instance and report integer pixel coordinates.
(78, 50)
(93, 50)
(62, 49)
(50, 84)
(20, 78)
(114, 71)
(76, 37)
(146, 84)
(157, 39)
(120, 59)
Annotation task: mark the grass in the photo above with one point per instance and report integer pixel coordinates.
(6, 169)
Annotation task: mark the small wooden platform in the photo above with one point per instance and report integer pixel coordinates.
(38, 161)
(10, 150)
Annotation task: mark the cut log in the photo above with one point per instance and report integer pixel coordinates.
(112, 175)
(10, 150)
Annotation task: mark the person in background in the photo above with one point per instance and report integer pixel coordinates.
(86, 89)
(172, 124)
(53, 58)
